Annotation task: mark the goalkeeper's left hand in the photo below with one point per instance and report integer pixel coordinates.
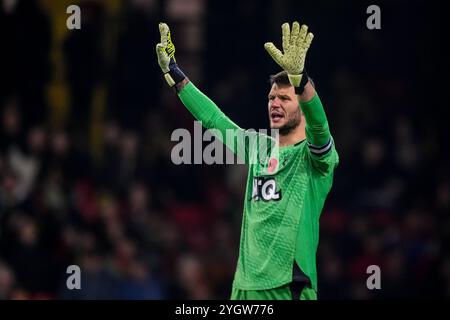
(165, 51)
(295, 47)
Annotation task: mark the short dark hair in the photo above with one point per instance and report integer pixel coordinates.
(281, 79)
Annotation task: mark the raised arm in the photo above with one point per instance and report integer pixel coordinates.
(318, 133)
(292, 59)
(200, 106)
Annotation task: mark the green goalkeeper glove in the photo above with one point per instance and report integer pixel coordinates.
(295, 46)
(165, 51)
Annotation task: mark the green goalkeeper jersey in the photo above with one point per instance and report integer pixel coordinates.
(285, 194)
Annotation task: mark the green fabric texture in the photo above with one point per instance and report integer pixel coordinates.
(317, 131)
(280, 293)
(205, 110)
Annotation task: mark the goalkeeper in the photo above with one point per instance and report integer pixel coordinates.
(285, 194)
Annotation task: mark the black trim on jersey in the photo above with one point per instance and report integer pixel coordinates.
(298, 275)
(299, 281)
(298, 143)
(321, 150)
(296, 289)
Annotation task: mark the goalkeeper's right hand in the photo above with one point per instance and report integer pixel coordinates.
(165, 50)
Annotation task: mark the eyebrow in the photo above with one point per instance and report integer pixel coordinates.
(281, 96)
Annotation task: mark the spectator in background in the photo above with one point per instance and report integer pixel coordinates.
(85, 67)
(26, 162)
(133, 73)
(25, 32)
(31, 262)
(7, 281)
(11, 130)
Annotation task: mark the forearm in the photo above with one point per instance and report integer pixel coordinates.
(181, 85)
(317, 130)
(203, 108)
(308, 93)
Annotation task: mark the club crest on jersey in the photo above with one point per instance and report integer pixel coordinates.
(265, 189)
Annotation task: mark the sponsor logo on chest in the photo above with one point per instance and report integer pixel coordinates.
(265, 189)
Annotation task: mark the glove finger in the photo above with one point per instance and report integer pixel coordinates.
(286, 35)
(163, 58)
(276, 54)
(163, 31)
(160, 49)
(295, 33)
(161, 52)
(302, 35)
(170, 46)
(308, 40)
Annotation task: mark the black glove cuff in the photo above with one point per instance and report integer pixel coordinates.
(299, 90)
(175, 72)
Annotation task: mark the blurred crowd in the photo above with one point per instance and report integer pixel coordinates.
(96, 188)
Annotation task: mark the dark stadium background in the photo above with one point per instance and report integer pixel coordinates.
(86, 118)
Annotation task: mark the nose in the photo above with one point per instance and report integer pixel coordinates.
(276, 103)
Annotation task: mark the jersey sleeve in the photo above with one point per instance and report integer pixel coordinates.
(321, 145)
(205, 110)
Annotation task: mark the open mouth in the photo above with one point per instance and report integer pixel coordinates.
(276, 116)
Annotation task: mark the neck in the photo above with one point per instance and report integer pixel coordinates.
(297, 135)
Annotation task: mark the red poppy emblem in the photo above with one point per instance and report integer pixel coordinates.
(273, 162)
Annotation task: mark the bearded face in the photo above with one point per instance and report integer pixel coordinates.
(284, 111)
